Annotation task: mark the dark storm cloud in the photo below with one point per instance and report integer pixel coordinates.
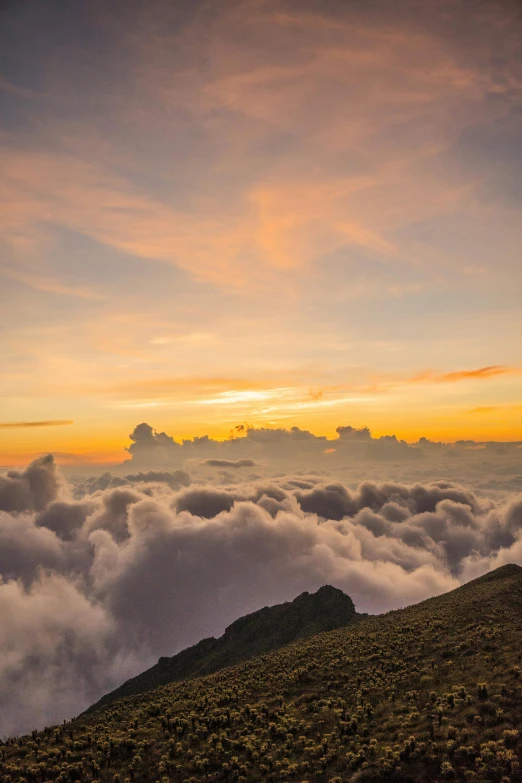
(96, 589)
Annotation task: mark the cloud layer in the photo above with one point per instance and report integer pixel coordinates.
(257, 447)
(100, 578)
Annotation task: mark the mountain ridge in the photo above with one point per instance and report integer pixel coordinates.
(425, 694)
(264, 630)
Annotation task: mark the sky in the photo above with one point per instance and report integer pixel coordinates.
(263, 212)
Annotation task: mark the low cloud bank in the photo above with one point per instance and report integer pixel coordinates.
(153, 448)
(296, 447)
(100, 578)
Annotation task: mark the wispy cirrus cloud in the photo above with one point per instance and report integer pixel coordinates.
(482, 373)
(369, 102)
(7, 425)
(41, 282)
(486, 409)
(428, 377)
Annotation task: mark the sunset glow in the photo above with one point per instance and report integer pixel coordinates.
(272, 213)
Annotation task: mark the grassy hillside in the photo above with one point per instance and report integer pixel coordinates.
(429, 693)
(255, 634)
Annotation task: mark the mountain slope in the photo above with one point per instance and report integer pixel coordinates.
(425, 694)
(256, 633)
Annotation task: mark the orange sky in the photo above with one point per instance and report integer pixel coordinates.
(259, 211)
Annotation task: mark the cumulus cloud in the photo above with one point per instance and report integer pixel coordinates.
(249, 444)
(297, 448)
(30, 489)
(99, 580)
(57, 651)
(352, 433)
(174, 479)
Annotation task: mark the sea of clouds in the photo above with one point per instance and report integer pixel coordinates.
(101, 575)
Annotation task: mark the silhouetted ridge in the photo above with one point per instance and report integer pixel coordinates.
(504, 572)
(254, 634)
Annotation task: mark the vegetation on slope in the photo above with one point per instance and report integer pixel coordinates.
(429, 693)
(260, 632)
